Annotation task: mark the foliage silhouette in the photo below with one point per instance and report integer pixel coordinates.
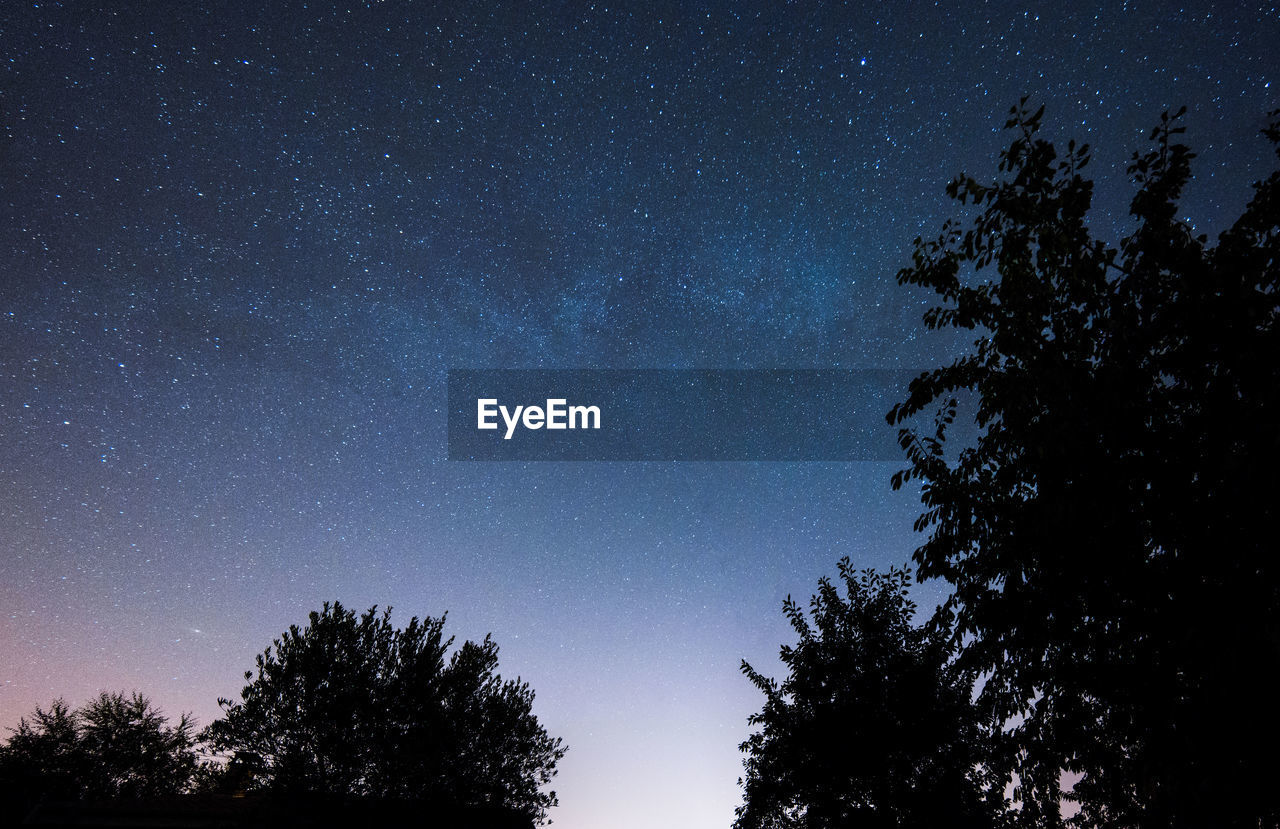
(1110, 533)
(114, 747)
(354, 706)
(873, 725)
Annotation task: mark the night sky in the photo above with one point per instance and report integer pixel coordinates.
(243, 242)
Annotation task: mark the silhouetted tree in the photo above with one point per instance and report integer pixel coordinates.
(873, 725)
(43, 759)
(114, 747)
(354, 706)
(1110, 533)
(135, 752)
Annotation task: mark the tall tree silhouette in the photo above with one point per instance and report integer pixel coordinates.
(114, 747)
(1111, 531)
(873, 725)
(351, 705)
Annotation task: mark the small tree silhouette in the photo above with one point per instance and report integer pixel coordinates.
(114, 747)
(873, 725)
(354, 706)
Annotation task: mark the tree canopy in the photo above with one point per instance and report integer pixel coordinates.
(1110, 533)
(351, 705)
(113, 747)
(873, 725)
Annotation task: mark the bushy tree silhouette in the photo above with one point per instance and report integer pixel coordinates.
(873, 725)
(1110, 533)
(114, 747)
(351, 705)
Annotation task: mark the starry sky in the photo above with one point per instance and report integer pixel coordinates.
(242, 243)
